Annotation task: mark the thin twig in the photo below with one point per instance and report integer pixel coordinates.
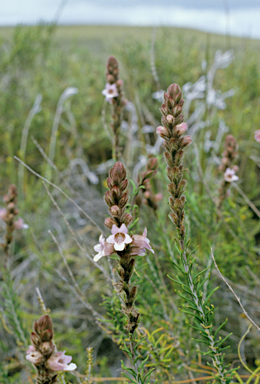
(247, 200)
(60, 190)
(65, 262)
(231, 289)
(76, 240)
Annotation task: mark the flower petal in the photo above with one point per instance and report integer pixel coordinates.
(119, 247)
(70, 367)
(128, 239)
(98, 256)
(123, 229)
(114, 229)
(111, 239)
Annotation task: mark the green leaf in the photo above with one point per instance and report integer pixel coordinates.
(147, 376)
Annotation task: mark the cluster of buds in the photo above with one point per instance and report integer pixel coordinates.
(43, 355)
(172, 131)
(120, 242)
(8, 215)
(113, 93)
(227, 168)
(150, 198)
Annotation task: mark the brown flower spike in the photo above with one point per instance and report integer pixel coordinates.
(175, 142)
(228, 168)
(114, 95)
(150, 198)
(120, 242)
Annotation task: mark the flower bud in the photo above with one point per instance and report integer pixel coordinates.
(225, 160)
(110, 182)
(109, 222)
(127, 218)
(35, 339)
(174, 90)
(44, 323)
(152, 163)
(171, 201)
(123, 200)
(177, 110)
(108, 199)
(46, 348)
(11, 206)
(47, 335)
(123, 184)
(163, 132)
(118, 172)
(110, 79)
(115, 210)
(147, 194)
(170, 119)
(180, 129)
(158, 197)
(186, 141)
(174, 217)
(164, 109)
(119, 83)
(115, 194)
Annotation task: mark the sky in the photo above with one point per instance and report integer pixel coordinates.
(236, 17)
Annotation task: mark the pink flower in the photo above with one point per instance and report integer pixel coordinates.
(34, 356)
(20, 224)
(257, 135)
(142, 242)
(60, 362)
(2, 213)
(110, 92)
(103, 248)
(230, 175)
(119, 237)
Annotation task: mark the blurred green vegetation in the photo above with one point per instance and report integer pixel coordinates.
(48, 59)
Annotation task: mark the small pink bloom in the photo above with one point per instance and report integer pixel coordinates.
(186, 140)
(181, 128)
(34, 356)
(20, 224)
(103, 248)
(257, 135)
(2, 213)
(110, 92)
(162, 131)
(119, 237)
(142, 242)
(170, 118)
(158, 197)
(230, 175)
(60, 362)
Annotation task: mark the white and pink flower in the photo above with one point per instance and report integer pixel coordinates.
(34, 356)
(230, 175)
(110, 92)
(119, 237)
(60, 362)
(257, 135)
(142, 243)
(20, 224)
(103, 248)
